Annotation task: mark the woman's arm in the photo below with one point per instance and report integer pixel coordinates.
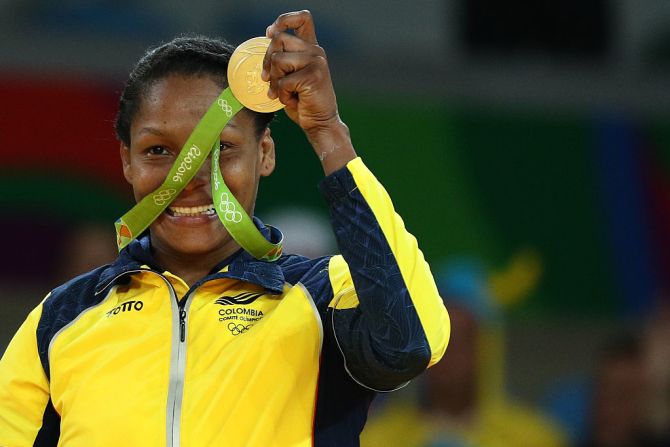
(388, 319)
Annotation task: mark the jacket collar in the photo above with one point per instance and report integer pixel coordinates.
(241, 265)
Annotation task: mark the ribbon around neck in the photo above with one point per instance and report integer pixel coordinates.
(203, 141)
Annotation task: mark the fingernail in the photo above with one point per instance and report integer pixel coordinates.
(271, 94)
(264, 75)
(267, 31)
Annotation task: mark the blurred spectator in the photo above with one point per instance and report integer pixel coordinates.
(88, 246)
(619, 398)
(657, 352)
(462, 403)
(305, 232)
(566, 401)
(66, 252)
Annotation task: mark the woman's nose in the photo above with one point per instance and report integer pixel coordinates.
(202, 177)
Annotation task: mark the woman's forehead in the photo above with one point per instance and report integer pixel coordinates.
(180, 93)
(182, 100)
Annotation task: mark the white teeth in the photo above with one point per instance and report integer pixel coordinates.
(180, 211)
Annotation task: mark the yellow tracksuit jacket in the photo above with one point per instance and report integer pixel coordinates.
(288, 353)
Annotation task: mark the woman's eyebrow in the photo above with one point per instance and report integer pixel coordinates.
(232, 129)
(158, 132)
(151, 130)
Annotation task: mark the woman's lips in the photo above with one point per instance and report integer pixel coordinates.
(191, 211)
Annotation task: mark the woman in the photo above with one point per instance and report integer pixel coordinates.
(188, 340)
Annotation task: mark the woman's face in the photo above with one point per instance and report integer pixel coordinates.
(166, 117)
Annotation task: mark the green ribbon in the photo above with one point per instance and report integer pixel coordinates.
(203, 140)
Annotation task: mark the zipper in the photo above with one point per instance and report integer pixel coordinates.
(182, 323)
(177, 361)
(177, 355)
(177, 365)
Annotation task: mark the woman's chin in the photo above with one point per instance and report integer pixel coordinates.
(190, 235)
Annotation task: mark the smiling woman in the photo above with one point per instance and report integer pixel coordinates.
(189, 339)
(163, 122)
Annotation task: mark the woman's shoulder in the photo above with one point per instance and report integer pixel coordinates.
(296, 267)
(63, 305)
(312, 273)
(76, 289)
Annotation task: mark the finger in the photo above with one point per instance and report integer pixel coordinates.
(289, 42)
(283, 64)
(284, 42)
(301, 22)
(275, 46)
(287, 98)
(300, 82)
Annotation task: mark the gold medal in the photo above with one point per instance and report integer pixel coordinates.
(244, 76)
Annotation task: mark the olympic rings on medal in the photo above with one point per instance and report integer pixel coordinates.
(228, 209)
(225, 107)
(164, 196)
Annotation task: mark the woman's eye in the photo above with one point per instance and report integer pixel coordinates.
(157, 150)
(223, 146)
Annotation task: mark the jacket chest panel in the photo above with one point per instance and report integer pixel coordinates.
(112, 361)
(247, 380)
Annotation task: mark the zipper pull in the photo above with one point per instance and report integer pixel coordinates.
(182, 325)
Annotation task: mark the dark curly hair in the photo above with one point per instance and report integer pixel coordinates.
(190, 55)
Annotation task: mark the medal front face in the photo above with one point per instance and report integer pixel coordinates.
(244, 76)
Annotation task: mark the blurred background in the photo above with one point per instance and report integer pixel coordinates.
(525, 144)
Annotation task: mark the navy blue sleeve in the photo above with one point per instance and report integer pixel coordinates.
(381, 336)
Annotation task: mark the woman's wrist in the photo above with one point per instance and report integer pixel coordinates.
(332, 144)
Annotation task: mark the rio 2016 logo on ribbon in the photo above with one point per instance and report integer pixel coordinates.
(215, 170)
(225, 107)
(164, 196)
(229, 210)
(192, 157)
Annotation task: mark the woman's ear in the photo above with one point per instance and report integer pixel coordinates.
(124, 151)
(267, 153)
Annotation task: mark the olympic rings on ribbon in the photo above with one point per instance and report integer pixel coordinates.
(225, 107)
(228, 209)
(164, 196)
